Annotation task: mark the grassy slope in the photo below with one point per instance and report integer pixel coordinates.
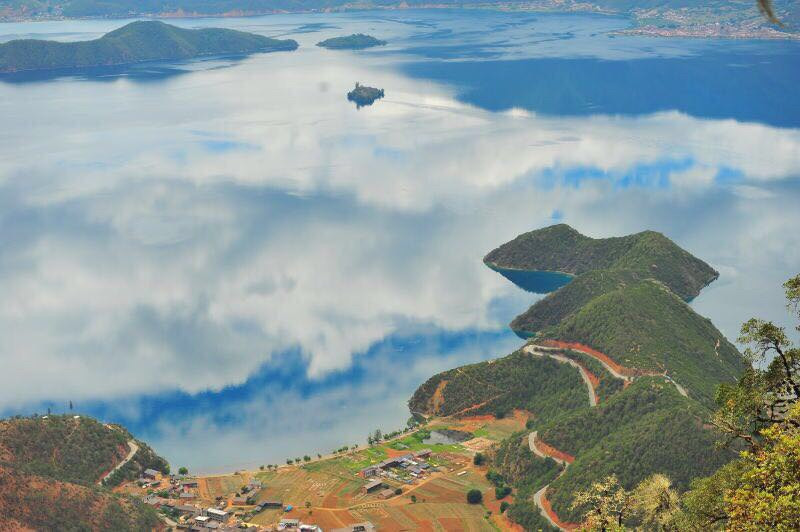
(570, 298)
(562, 248)
(541, 386)
(72, 450)
(135, 42)
(646, 428)
(647, 327)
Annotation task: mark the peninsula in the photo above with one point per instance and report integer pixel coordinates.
(620, 328)
(363, 95)
(134, 43)
(356, 41)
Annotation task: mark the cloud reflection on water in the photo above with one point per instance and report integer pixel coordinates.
(169, 243)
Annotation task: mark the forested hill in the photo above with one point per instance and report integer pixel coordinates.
(627, 301)
(50, 467)
(561, 248)
(133, 43)
(75, 449)
(650, 362)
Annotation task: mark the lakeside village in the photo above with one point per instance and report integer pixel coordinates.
(399, 481)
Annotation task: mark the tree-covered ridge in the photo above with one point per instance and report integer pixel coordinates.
(645, 326)
(561, 248)
(518, 381)
(74, 449)
(32, 502)
(568, 299)
(356, 41)
(133, 43)
(644, 429)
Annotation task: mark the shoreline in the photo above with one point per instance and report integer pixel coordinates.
(768, 33)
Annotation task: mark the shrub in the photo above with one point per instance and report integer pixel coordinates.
(474, 496)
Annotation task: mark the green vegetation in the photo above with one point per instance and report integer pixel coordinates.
(646, 428)
(46, 504)
(561, 248)
(645, 326)
(474, 496)
(72, 449)
(628, 300)
(133, 43)
(49, 469)
(356, 41)
(540, 385)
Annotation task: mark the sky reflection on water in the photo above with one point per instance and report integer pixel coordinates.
(232, 255)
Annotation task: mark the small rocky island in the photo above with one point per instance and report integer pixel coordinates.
(363, 95)
(356, 41)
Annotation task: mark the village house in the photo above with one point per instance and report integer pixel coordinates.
(374, 485)
(151, 474)
(387, 493)
(218, 515)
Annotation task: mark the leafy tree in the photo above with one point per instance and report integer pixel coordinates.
(762, 397)
(184, 470)
(413, 498)
(608, 505)
(656, 502)
(479, 459)
(398, 491)
(504, 506)
(474, 496)
(306, 458)
(501, 492)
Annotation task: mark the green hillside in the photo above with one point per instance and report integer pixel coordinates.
(627, 301)
(72, 449)
(133, 43)
(356, 41)
(519, 381)
(31, 502)
(649, 254)
(570, 298)
(646, 428)
(645, 326)
(49, 472)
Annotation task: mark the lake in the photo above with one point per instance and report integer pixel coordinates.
(235, 262)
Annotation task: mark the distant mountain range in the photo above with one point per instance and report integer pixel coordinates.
(648, 363)
(136, 42)
(732, 18)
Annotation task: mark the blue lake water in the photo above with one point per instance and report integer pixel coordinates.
(231, 259)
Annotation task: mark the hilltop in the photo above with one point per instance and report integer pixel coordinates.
(133, 43)
(650, 366)
(51, 468)
(356, 41)
(561, 248)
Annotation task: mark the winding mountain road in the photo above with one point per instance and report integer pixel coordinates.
(536, 351)
(133, 450)
(540, 497)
